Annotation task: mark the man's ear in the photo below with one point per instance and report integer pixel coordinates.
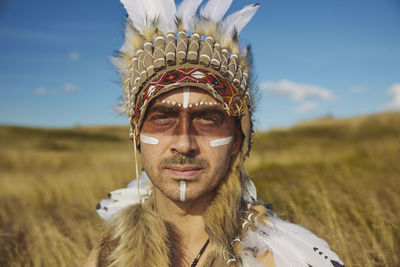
(238, 139)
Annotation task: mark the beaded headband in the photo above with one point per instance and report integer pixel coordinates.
(167, 48)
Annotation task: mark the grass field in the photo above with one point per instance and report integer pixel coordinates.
(338, 178)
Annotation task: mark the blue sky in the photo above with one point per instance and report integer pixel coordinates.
(312, 58)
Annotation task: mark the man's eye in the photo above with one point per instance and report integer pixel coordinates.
(207, 120)
(162, 119)
(158, 117)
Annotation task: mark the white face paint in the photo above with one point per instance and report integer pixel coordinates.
(182, 191)
(148, 139)
(186, 96)
(186, 99)
(221, 141)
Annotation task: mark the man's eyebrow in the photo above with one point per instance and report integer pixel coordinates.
(200, 111)
(164, 109)
(208, 110)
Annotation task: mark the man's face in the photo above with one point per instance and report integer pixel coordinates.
(187, 136)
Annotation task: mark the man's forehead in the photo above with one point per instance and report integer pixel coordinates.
(191, 99)
(187, 94)
(187, 99)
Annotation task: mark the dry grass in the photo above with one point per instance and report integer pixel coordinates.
(339, 178)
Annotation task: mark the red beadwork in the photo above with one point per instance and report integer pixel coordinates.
(193, 75)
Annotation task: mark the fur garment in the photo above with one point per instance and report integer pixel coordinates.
(239, 230)
(137, 236)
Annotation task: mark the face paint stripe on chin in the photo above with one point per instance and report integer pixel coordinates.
(182, 191)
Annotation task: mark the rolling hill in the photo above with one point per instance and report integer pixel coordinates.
(338, 177)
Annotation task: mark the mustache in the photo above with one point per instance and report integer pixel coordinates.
(179, 159)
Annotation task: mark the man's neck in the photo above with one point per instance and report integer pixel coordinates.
(187, 220)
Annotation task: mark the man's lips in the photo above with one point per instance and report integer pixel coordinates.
(183, 171)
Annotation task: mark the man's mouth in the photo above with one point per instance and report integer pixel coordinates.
(185, 172)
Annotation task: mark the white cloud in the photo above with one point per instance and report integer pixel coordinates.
(73, 56)
(70, 87)
(307, 106)
(297, 91)
(394, 93)
(41, 90)
(356, 89)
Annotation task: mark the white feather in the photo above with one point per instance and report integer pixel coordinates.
(187, 12)
(126, 194)
(285, 255)
(110, 209)
(122, 198)
(238, 20)
(167, 16)
(249, 260)
(315, 249)
(250, 192)
(144, 180)
(215, 10)
(136, 12)
(291, 245)
(144, 13)
(253, 241)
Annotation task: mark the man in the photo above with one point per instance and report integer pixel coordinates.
(189, 100)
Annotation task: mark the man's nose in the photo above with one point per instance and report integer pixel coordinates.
(184, 142)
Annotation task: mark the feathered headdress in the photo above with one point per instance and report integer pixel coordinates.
(168, 47)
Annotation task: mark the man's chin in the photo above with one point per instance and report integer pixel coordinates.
(189, 197)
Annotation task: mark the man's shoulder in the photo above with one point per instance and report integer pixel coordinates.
(290, 244)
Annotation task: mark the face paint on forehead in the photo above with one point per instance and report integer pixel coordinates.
(186, 101)
(148, 139)
(221, 141)
(186, 96)
(174, 103)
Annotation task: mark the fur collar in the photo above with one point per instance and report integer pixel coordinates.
(138, 236)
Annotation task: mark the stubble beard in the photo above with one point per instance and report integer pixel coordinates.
(170, 187)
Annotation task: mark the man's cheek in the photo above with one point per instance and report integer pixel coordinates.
(221, 141)
(147, 139)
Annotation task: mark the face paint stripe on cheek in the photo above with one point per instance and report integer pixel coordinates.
(148, 139)
(221, 141)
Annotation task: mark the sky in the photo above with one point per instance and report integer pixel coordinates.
(312, 58)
